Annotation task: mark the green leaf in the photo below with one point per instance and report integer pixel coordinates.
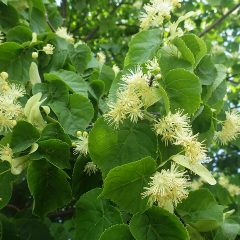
(8, 53)
(73, 80)
(19, 34)
(80, 56)
(107, 75)
(143, 47)
(183, 89)
(6, 180)
(206, 70)
(62, 231)
(220, 193)
(37, 16)
(59, 57)
(15, 61)
(201, 211)
(55, 151)
(7, 229)
(202, 123)
(55, 131)
(169, 60)
(24, 134)
(8, 16)
(218, 95)
(32, 229)
(184, 50)
(76, 115)
(110, 148)
(49, 187)
(97, 88)
(157, 224)
(124, 184)
(55, 91)
(196, 45)
(94, 215)
(193, 233)
(221, 75)
(228, 230)
(81, 181)
(117, 232)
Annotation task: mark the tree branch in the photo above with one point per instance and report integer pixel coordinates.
(64, 8)
(217, 22)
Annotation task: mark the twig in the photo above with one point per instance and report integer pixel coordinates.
(62, 214)
(217, 22)
(13, 207)
(64, 8)
(49, 24)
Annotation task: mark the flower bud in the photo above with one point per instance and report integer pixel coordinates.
(35, 55)
(4, 75)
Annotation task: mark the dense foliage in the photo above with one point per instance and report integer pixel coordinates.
(119, 119)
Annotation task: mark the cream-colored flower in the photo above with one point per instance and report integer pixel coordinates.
(34, 37)
(174, 30)
(10, 109)
(81, 145)
(101, 57)
(153, 66)
(48, 49)
(6, 153)
(62, 33)
(230, 129)
(18, 164)
(127, 105)
(168, 187)
(1, 37)
(116, 69)
(15, 91)
(194, 150)
(3, 76)
(156, 11)
(172, 125)
(136, 81)
(90, 168)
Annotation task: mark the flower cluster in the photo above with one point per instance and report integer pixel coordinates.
(81, 145)
(172, 126)
(167, 188)
(62, 33)
(176, 31)
(90, 168)
(135, 94)
(101, 57)
(10, 109)
(230, 129)
(48, 49)
(156, 11)
(176, 129)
